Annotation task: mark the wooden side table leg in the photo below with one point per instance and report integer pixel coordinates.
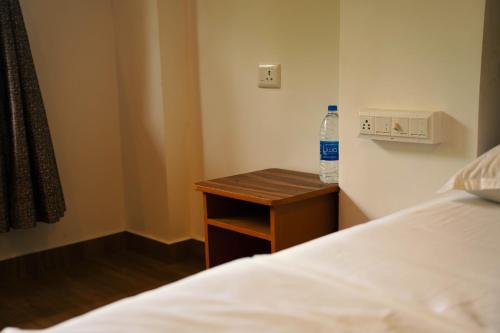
(272, 222)
(205, 218)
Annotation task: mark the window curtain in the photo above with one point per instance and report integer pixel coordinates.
(30, 189)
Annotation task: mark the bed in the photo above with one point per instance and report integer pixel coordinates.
(431, 268)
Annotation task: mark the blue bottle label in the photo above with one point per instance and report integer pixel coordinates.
(329, 150)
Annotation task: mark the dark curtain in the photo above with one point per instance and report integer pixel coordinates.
(30, 189)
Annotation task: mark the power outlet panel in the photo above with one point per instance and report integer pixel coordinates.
(366, 125)
(401, 125)
(269, 76)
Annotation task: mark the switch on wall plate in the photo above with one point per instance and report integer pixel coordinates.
(383, 125)
(400, 126)
(269, 76)
(419, 127)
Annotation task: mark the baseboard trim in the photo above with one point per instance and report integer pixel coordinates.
(183, 250)
(34, 264)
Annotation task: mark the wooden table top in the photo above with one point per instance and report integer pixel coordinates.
(269, 187)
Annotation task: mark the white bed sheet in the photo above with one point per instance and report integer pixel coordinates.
(431, 268)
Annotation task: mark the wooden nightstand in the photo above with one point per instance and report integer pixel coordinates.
(264, 212)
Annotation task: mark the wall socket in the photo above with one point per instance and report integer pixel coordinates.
(366, 124)
(269, 76)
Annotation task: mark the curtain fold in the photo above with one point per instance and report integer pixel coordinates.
(30, 188)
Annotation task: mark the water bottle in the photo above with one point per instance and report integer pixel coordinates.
(329, 147)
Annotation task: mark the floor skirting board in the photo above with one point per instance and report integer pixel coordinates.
(33, 264)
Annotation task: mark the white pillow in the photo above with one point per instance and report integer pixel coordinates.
(480, 177)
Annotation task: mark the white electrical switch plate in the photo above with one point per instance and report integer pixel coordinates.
(419, 127)
(401, 125)
(270, 76)
(383, 125)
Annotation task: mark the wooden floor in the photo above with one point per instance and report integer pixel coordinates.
(61, 294)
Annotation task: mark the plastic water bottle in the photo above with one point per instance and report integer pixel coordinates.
(329, 147)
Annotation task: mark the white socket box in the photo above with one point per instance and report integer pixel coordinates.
(401, 125)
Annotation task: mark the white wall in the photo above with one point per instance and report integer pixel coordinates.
(74, 52)
(489, 97)
(183, 150)
(119, 79)
(411, 55)
(246, 128)
(142, 116)
(122, 75)
(160, 117)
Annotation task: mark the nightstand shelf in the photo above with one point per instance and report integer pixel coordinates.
(248, 225)
(265, 211)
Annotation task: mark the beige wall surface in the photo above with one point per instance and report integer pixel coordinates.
(247, 128)
(142, 117)
(411, 55)
(132, 131)
(184, 149)
(119, 79)
(73, 48)
(160, 117)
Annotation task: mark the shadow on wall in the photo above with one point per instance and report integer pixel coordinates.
(14, 242)
(144, 179)
(347, 205)
(160, 117)
(182, 116)
(141, 117)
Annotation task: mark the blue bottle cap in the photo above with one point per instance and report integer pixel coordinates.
(332, 108)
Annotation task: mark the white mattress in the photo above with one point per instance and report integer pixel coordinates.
(432, 268)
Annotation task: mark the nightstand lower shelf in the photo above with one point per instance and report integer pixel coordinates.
(226, 245)
(248, 225)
